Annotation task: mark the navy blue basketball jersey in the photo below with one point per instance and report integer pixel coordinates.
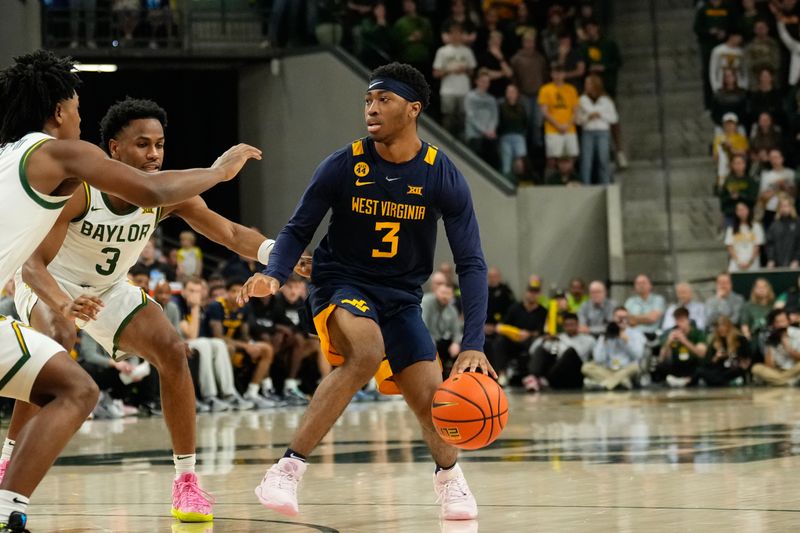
(383, 225)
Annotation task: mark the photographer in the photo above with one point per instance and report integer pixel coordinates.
(556, 360)
(728, 357)
(782, 357)
(618, 354)
(682, 349)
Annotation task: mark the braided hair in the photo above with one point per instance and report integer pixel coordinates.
(31, 89)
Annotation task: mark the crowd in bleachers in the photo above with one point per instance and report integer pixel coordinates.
(749, 51)
(528, 85)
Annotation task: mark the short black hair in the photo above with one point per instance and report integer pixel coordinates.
(680, 312)
(124, 112)
(775, 313)
(139, 270)
(569, 316)
(30, 89)
(232, 282)
(408, 75)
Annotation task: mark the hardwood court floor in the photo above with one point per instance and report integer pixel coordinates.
(671, 461)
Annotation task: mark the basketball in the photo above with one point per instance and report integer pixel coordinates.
(469, 410)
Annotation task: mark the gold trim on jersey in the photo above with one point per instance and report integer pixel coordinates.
(87, 191)
(23, 178)
(26, 354)
(430, 155)
(358, 147)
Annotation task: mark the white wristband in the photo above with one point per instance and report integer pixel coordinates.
(264, 250)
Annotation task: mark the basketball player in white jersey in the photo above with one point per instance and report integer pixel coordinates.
(94, 242)
(42, 162)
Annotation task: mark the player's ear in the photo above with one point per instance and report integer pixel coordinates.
(58, 115)
(113, 146)
(415, 109)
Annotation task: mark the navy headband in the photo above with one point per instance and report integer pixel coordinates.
(397, 87)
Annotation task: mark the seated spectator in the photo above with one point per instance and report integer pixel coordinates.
(530, 71)
(645, 308)
(684, 296)
(482, 117)
(156, 269)
(238, 266)
(558, 102)
(227, 320)
(453, 65)
(190, 258)
(728, 358)
(765, 135)
(140, 276)
(763, 52)
(573, 60)
(765, 98)
(563, 174)
(790, 298)
(596, 114)
(493, 60)
(727, 143)
(597, 311)
(725, 302)
(162, 294)
(730, 98)
(89, 10)
(576, 296)
(215, 370)
(783, 237)
(463, 15)
(778, 179)
(682, 351)
(728, 55)
(744, 241)
(781, 364)
(755, 311)
(444, 324)
(524, 322)
(500, 297)
(555, 361)
(618, 355)
(511, 131)
(413, 37)
(737, 187)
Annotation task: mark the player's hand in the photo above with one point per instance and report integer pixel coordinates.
(232, 161)
(84, 307)
(471, 361)
(303, 267)
(258, 285)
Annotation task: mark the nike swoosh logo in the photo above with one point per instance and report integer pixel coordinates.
(96, 209)
(373, 85)
(392, 179)
(443, 404)
(182, 457)
(15, 500)
(360, 183)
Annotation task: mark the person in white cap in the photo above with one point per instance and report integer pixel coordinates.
(729, 142)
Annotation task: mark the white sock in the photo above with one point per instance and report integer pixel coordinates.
(8, 449)
(266, 385)
(10, 502)
(292, 384)
(252, 390)
(184, 464)
(372, 385)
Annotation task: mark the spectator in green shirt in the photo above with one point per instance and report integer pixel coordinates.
(755, 311)
(602, 56)
(413, 37)
(682, 350)
(737, 187)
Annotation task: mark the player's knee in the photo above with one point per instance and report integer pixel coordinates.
(364, 361)
(84, 393)
(171, 357)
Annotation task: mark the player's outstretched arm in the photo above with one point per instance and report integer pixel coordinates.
(257, 286)
(36, 275)
(77, 159)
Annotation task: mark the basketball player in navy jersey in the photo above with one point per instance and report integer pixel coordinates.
(386, 193)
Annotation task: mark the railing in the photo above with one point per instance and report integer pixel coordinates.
(197, 25)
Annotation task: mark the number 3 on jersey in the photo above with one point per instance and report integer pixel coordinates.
(111, 261)
(390, 237)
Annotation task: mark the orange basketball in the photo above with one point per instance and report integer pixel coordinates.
(470, 410)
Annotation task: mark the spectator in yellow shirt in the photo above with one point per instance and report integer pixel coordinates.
(190, 258)
(558, 101)
(728, 143)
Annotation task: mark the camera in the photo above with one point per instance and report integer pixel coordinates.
(612, 330)
(775, 337)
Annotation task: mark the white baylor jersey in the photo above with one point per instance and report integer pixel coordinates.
(103, 244)
(26, 215)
